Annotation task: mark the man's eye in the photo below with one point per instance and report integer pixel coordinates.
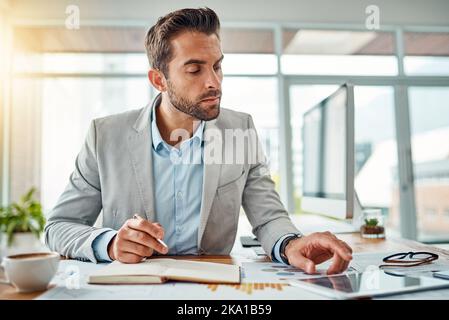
(193, 71)
(217, 67)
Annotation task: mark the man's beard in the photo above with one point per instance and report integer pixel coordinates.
(191, 108)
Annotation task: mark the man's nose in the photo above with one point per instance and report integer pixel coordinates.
(213, 80)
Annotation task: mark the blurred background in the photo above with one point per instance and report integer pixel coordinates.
(281, 58)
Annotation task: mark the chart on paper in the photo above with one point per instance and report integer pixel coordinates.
(269, 272)
(248, 288)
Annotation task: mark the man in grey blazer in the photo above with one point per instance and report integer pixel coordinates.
(174, 163)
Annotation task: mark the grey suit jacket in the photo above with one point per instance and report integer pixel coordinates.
(113, 172)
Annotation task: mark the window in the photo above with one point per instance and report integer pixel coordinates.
(429, 115)
(426, 53)
(58, 110)
(82, 63)
(50, 122)
(259, 98)
(248, 51)
(249, 64)
(376, 183)
(446, 213)
(331, 52)
(430, 213)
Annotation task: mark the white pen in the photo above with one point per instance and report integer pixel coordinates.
(136, 216)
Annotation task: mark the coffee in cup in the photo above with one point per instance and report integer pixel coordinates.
(31, 271)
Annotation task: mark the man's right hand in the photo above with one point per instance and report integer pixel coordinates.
(136, 240)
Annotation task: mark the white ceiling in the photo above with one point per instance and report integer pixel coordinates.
(392, 12)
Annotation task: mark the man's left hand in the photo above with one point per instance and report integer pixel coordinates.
(308, 251)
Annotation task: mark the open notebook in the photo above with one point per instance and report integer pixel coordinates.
(161, 270)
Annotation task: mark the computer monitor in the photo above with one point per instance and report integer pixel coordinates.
(328, 156)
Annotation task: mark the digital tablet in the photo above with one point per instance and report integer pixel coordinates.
(368, 284)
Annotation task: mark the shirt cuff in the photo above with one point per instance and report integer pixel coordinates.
(100, 246)
(276, 254)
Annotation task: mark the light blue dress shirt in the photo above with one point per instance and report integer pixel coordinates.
(178, 182)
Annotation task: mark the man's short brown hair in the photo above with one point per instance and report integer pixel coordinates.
(157, 40)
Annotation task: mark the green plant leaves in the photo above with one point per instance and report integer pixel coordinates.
(10, 231)
(23, 216)
(371, 222)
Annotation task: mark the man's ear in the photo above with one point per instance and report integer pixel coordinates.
(157, 79)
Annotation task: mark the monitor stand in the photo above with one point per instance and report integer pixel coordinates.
(357, 214)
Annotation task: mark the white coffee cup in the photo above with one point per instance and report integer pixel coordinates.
(31, 271)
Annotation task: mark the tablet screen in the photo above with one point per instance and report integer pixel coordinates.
(373, 281)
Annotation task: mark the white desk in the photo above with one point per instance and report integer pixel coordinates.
(189, 291)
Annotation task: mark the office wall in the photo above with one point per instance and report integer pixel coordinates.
(5, 52)
(398, 12)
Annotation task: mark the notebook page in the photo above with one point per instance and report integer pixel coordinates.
(147, 267)
(200, 270)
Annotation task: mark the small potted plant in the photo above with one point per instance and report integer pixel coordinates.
(372, 228)
(21, 225)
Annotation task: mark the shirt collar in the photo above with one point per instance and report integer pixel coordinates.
(158, 142)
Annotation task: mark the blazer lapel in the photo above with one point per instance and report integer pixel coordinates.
(212, 159)
(140, 151)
